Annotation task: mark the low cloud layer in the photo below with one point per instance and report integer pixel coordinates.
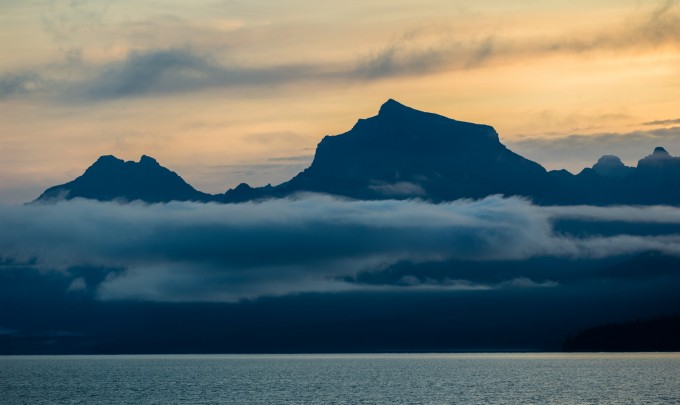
(211, 252)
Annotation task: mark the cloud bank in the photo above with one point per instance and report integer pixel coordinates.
(211, 252)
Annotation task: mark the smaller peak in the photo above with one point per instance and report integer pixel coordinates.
(659, 158)
(660, 151)
(392, 102)
(243, 186)
(148, 160)
(610, 160)
(105, 158)
(108, 159)
(610, 166)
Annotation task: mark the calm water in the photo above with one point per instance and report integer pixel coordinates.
(389, 379)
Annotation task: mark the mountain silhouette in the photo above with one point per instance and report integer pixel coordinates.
(110, 178)
(404, 153)
(611, 166)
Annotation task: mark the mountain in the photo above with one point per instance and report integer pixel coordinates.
(611, 166)
(404, 153)
(655, 180)
(110, 178)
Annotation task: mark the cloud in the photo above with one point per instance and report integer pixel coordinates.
(395, 60)
(410, 55)
(306, 159)
(177, 70)
(15, 84)
(156, 70)
(67, 22)
(647, 215)
(399, 189)
(663, 122)
(152, 72)
(78, 284)
(417, 53)
(651, 28)
(212, 252)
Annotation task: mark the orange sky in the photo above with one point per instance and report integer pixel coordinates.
(231, 91)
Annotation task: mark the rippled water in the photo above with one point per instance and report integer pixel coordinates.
(389, 379)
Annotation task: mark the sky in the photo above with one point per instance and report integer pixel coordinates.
(225, 92)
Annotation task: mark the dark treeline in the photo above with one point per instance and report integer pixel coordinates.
(650, 335)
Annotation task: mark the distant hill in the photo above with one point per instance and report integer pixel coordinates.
(653, 335)
(110, 178)
(404, 153)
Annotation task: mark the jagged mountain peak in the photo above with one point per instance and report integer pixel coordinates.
(111, 178)
(113, 160)
(108, 159)
(148, 160)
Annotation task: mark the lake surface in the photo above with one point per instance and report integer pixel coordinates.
(385, 379)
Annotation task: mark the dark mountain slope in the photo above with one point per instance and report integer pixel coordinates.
(406, 153)
(110, 178)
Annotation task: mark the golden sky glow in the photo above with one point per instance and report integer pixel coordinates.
(231, 91)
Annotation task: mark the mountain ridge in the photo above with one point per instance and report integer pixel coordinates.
(403, 153)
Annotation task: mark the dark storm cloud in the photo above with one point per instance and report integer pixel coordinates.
(211, 252)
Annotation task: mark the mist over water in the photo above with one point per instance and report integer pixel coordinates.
(386, 379)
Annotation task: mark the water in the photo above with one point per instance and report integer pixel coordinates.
(383, 379)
